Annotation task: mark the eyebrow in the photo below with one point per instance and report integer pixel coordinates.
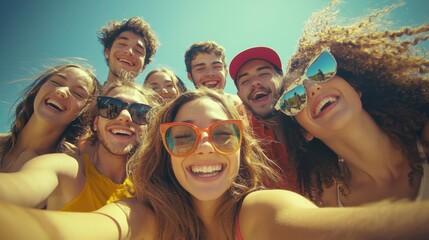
(79, 86)
(61, 75)
(198, 65)
(257, 69)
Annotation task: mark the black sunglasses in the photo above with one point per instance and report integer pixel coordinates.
(109, 107)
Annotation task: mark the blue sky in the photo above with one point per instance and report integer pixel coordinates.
(35, 34)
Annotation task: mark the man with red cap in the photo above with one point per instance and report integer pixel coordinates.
(258, 76)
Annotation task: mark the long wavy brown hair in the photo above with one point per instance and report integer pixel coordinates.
(25, 108)
(389, 71)
(157, 187)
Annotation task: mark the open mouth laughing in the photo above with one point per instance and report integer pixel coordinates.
(126, 61)
(211, 83)
(324, 104)
(55, 105)
(206, 171)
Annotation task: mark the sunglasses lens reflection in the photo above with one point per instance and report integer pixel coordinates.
(323, 68)
(110, 108)
(181, 140)
(226, 137)
(138, 113)
(293, 101)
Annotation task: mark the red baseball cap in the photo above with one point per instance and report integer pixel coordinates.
(264, 53)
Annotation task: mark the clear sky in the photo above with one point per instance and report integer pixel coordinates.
(35, 34)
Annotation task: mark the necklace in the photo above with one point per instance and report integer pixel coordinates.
(343, 188)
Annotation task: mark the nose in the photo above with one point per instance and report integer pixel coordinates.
(164, 90)
(255, 82)
(311, 87)
(129, 50)
(124, 116)
(62, 92)
(204, 145)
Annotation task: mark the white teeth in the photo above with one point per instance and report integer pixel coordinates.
(121, 131)
(323, 103)
(210, 83)
(206, 169)
(55, 104)
(258, 95)
(126, 61)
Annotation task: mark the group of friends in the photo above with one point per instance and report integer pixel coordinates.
(334, 145)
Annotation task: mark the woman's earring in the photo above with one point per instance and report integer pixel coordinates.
(308, 137)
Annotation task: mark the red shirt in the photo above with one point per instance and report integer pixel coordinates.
(276, 151)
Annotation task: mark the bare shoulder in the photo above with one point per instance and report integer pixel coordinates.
(58, 162)
(262, 210)
(275, 198)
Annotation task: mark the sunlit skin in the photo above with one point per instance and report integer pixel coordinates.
(258, 87)
(208, 70)
(58, 102)
(332, 107)
(202, 113)
(377, 167)
(163, 85)
(120, 135)
(126, 54)
(62, 97)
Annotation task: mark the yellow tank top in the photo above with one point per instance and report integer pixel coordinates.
(96, 191)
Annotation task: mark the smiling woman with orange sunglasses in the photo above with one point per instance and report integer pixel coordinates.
(357, 132)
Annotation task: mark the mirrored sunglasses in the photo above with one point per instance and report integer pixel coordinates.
(109, 107)
(321, 69)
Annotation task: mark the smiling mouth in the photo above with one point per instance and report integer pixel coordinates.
(207, 170)
(325, 103)
(121, 132)
(259, 95)
(54, 104)
(210, 84)
(126, 61)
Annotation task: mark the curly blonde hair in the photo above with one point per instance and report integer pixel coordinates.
(386, 66)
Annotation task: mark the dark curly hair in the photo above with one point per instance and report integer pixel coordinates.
(137, 25)
(389, 71)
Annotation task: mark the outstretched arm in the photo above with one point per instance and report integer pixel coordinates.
(24, 223)
(127, 219)
(278, 214)
(37, 179)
